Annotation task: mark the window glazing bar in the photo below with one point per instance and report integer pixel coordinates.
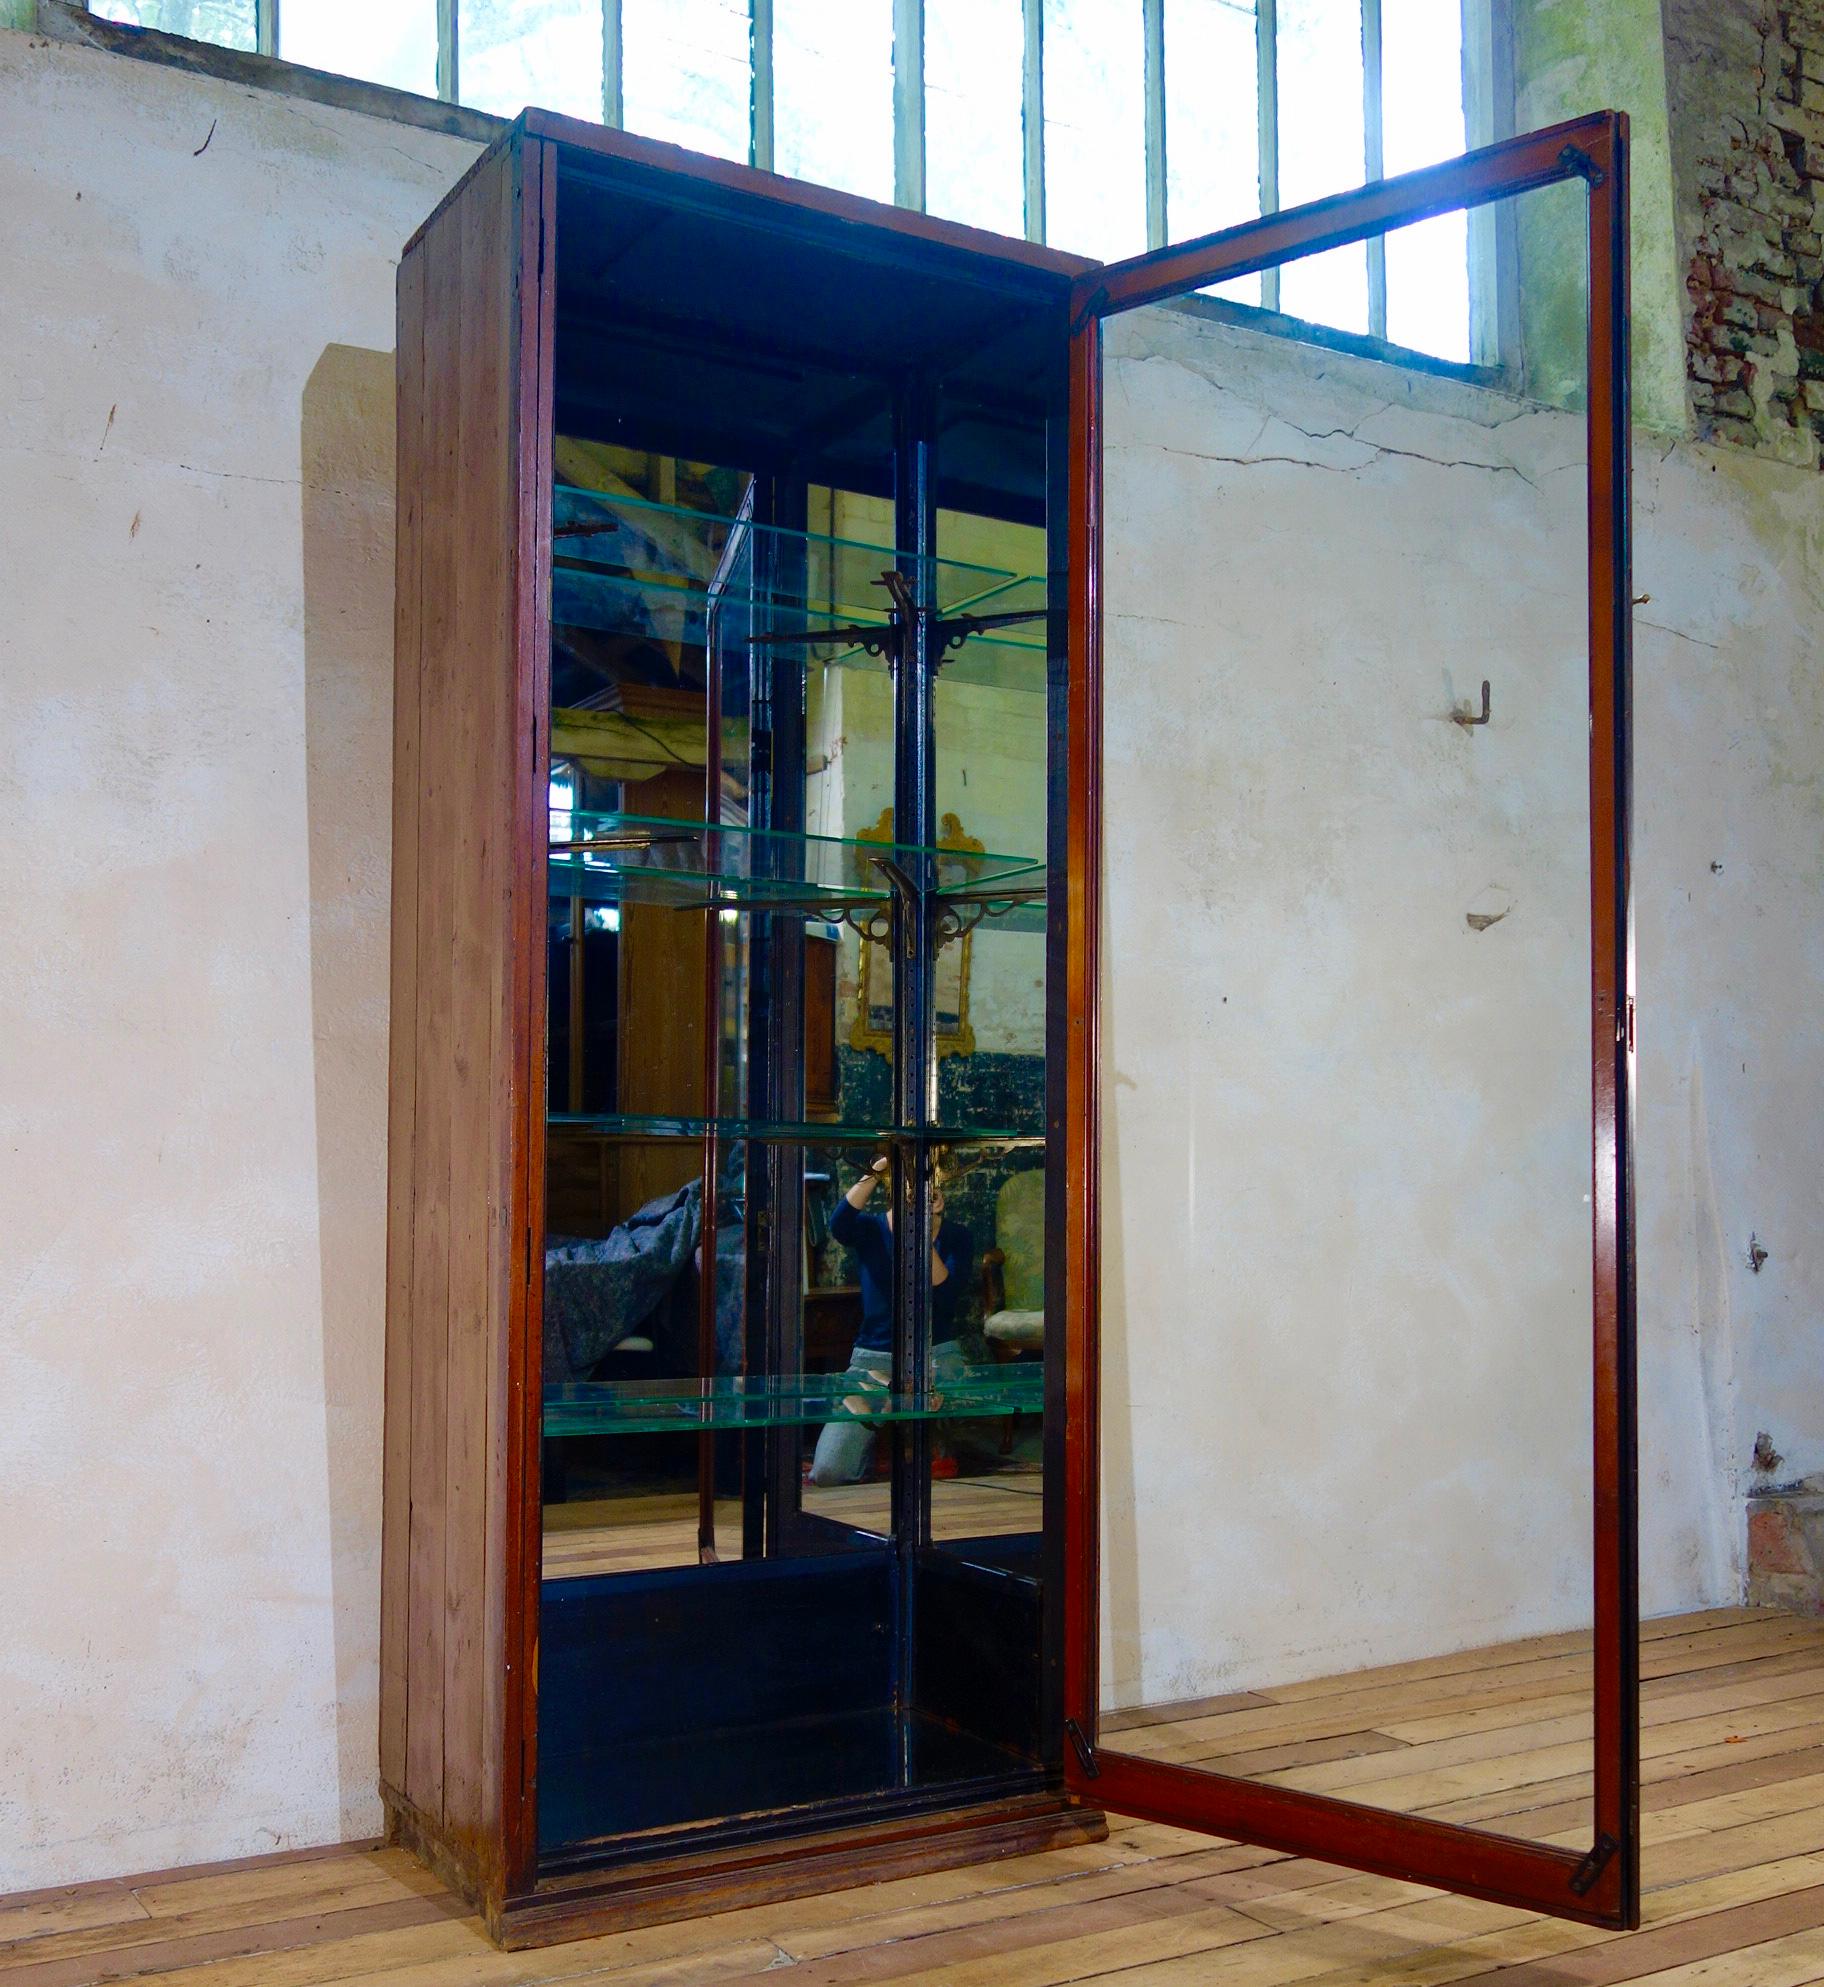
(760, 141)
(1032, 107)
(613, 103)
(266, 26)
(1488, 116)
(447, 80)
(1152, 22)
(1266, 52)
(909, 104)
(1374, 159)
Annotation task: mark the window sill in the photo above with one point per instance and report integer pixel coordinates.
(63, 21)
(1276, 324)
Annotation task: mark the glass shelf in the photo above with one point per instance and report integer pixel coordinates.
(632, 858)
(733, 1401)
(625, 564)
(806, 1132)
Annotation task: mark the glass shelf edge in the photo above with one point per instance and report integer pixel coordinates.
(610, 1407)
(782, 1132)
(669, 830)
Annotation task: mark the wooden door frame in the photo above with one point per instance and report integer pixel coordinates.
(1601, 1886)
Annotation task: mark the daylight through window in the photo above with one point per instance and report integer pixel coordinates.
(1102, 126)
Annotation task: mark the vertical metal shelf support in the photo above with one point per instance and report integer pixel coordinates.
(914, 1063)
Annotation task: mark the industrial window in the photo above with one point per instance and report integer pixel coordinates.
(1103, 126)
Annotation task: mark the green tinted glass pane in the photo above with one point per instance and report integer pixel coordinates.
(380, 41)
(975, 168)
(735, 1400)
(687, 74)
(631, 858)
(1422, 98)
(833, 93)
(227, 23)
(1095, 127)
(1212, 123)
(1321, 150)
(544, 52)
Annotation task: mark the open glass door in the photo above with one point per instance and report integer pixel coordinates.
(1350, 1529)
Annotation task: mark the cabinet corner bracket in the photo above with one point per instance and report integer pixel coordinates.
(1583, 1878)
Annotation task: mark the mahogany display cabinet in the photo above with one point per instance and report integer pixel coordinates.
(741, 1520)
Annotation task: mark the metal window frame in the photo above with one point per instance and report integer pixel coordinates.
(1487, 110)
(1487, 118)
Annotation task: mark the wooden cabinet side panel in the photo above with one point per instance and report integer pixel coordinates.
(461, 1238)
(402, 1059)
(485, 529)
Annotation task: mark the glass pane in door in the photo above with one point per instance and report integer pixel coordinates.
(1346, 1123)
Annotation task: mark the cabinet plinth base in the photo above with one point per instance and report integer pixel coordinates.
(589, 1903)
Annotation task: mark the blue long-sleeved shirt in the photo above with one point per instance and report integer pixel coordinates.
(871, 1238)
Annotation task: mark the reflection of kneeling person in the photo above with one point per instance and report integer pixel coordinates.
(844, 1447)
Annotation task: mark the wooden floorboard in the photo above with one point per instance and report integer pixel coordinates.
(1733, 1863)
(642, 1533)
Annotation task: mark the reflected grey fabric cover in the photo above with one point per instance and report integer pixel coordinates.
(600, 1291)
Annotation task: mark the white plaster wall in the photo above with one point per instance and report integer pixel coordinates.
(195, 685)
(1730, 884)
(1345, 1139)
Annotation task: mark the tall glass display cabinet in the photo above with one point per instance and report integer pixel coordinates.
(724, 1435)
(741, 1504)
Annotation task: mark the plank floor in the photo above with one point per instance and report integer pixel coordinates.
(1733, 1793)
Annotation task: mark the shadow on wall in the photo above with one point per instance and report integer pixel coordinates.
(346, 448)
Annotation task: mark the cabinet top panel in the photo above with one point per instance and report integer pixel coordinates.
(778, 203)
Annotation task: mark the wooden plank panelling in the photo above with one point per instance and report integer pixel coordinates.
(467, 814)
(402, 1052)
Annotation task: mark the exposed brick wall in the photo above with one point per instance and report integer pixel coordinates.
(1786, 1548)
(1746, 84)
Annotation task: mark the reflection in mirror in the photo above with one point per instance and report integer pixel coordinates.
(687, 1422)
(1346, 1125)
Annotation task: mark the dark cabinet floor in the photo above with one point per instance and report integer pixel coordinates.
(765, 1685)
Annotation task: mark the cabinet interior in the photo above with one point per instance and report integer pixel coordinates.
(804, 676)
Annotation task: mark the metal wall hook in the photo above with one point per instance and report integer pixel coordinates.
(1467, 718)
